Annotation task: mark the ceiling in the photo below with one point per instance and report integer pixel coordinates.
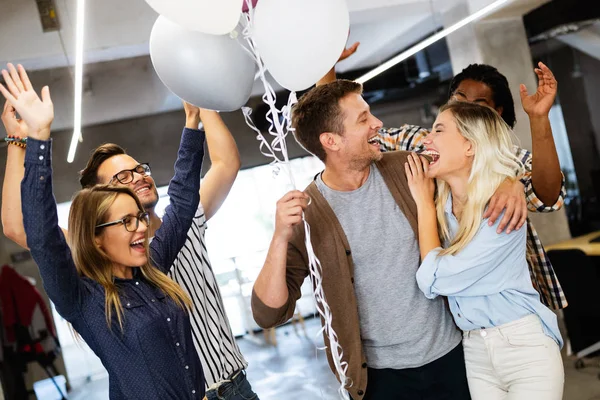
(119, 79)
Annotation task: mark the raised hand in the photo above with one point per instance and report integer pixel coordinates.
(539, 103)
(348, 51)
(37, 113)
(13, 125)
(192, 115)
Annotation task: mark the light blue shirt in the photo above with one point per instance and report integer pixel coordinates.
(487, 283)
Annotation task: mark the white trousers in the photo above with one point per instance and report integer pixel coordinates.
(514, 361)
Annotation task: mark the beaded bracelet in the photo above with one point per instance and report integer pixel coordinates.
(16, 140)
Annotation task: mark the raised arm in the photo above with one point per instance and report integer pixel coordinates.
(184, 194)
(44, 237)
(277, 287)
(534, 202)
(12, 217)
(330, 76)
(224, 158)
(546, 177)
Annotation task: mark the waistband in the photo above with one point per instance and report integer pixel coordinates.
(531, 319)
(233, 378)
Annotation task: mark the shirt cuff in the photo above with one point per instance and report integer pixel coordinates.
(193, 138)
(39, 151)
(426, 273)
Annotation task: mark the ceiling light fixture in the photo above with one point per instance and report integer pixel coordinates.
(429, 41)
(78, 95)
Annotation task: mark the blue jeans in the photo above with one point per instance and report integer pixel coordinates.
(237, 389)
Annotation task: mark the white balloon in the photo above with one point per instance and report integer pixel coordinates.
(209, 71)
(300, 40)
(216, 17)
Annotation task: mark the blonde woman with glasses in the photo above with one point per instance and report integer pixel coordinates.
(511, 340)
(110, 283)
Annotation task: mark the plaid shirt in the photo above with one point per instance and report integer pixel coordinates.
(410, 138)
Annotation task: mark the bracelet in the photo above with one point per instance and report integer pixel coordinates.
(19, 144)
(16, 140)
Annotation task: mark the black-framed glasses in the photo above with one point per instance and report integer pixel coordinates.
(126, 176)
(130, 222)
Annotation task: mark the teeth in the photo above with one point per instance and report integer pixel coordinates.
(138, 242)
(373, 140)
(142, 190)
(432, 154)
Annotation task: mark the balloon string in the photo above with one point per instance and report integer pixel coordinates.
(279, 129)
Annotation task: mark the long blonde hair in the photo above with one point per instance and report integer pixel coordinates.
(90, 208)
(494, 161)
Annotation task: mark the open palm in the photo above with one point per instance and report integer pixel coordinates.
(37, 113)
(540, 102)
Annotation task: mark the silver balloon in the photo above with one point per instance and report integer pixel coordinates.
(208, 71)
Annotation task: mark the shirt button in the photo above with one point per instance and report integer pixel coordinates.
(193, 392)
(153, 300)
(483, 333)
(360, 392)
(137, 283)
(128, 304)
(168, 319)
(41, 158)
(41, 178)
(459, 315)
(42, 147)
(177, 344)
(187, 367)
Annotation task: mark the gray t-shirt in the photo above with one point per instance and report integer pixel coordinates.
(400, 327)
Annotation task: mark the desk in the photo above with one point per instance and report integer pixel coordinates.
(583, 243)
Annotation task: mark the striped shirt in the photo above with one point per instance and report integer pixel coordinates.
(410, 138)
(214, 341)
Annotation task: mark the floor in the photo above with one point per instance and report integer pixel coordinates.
(295, 370)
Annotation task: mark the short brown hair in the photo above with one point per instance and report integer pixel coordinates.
(319, 111)
(89, 175)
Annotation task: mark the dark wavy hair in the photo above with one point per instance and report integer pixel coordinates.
(497, 82)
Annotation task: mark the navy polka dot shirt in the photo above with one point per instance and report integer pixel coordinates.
(153, 357)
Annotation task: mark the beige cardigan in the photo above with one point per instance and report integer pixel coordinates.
(331, 247)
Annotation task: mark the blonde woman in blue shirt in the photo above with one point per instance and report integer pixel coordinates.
(511, 340)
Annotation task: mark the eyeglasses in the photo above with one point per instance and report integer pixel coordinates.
(130, 223)
(126, 176)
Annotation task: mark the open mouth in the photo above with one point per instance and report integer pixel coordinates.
(431, 155)
(374, 141)
(142, 190)
(138, 245)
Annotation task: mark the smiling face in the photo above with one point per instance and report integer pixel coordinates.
(123, 243)
(358, 146)
(450, 151)
(142, 185)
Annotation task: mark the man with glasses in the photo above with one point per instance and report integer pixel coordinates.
(223, 364)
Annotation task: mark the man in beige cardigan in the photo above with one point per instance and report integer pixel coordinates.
(397, 343)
